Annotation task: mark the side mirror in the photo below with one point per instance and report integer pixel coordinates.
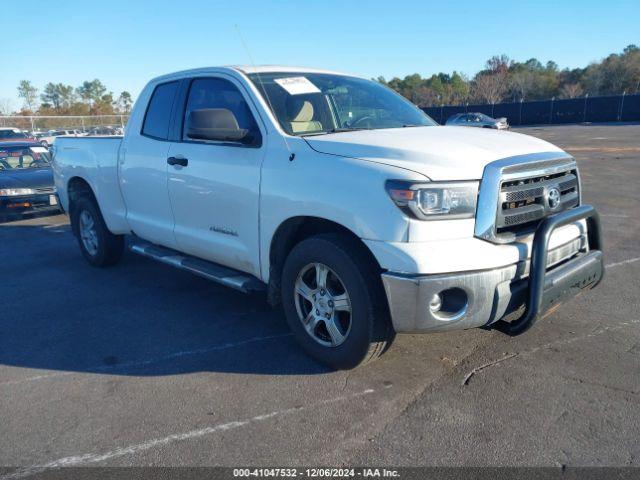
(217, 124)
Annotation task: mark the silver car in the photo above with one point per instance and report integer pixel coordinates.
(477, 120)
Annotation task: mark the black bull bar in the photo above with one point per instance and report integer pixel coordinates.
(547, 289)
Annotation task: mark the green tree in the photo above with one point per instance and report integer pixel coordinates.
(50, 96)
(58, 96)
(91, 92)
(104, 105)
(125, 101)
(29, 94)
(459, 88)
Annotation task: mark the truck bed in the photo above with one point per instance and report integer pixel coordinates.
(95, 160)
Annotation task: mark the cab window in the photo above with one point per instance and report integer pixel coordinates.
(221, 94)
(158, 116)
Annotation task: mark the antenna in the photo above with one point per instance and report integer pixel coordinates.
(264, 90)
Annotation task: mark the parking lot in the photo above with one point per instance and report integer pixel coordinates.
(141, 364)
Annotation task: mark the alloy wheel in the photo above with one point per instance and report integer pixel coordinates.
(323, 304)
(88, 233)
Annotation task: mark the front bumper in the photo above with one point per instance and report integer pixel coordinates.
(18, 205)
(482, 298)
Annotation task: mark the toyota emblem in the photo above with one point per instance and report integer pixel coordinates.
(553, 198)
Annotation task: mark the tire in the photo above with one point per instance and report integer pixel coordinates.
(366, 330)
(103, 248)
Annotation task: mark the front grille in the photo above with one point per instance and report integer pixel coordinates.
(524, 201)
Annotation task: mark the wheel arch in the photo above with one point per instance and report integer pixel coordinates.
(291, 232)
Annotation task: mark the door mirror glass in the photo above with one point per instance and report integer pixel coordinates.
(217, 124)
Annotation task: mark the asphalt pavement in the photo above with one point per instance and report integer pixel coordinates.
(141, 364)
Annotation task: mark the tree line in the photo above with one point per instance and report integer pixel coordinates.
(501, 80)
(505, 80)
(89, 98)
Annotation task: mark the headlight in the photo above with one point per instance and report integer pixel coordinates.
(14, 192)
(435, 200)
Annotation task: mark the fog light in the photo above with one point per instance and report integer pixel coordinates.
(450, 304)
(436, 303)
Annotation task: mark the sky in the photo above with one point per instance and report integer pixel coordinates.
(126, 43)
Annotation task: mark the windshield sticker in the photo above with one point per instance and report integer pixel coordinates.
(297, 85)
(39, 150)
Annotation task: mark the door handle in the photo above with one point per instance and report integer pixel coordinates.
(178, 161)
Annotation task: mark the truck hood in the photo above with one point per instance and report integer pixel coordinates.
(440, 153)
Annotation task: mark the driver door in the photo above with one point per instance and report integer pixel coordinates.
(214, 188)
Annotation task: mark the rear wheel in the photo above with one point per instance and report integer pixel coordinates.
(334, 301)
(98, 245)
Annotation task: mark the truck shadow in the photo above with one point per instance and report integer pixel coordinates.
(137, 318)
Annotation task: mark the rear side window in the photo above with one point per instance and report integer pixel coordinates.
(158, 117)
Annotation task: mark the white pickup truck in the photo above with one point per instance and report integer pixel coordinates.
(341, 200)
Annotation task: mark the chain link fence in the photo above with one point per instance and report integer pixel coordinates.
(612, 108)
(84, 123)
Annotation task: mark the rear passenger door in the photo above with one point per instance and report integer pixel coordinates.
(143, 169)
(215, 192)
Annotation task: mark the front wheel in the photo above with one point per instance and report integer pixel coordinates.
(98, 245)
(334, 301)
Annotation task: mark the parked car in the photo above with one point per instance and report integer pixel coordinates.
(341, 199)
(44, 138)
(105, 130)
(477, 120)
(12, 134)
(48, 138)
(26, 180)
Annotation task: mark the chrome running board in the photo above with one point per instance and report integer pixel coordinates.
(209, 270)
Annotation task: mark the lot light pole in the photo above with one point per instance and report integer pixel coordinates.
(621, 105)
(521, 102)
(584, 115)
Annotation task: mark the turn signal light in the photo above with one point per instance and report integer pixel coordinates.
(402, 195)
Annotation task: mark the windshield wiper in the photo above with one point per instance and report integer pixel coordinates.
(334, 130)
(347, 129)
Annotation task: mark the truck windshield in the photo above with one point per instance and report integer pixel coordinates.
(318, 103)
(15, 158)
